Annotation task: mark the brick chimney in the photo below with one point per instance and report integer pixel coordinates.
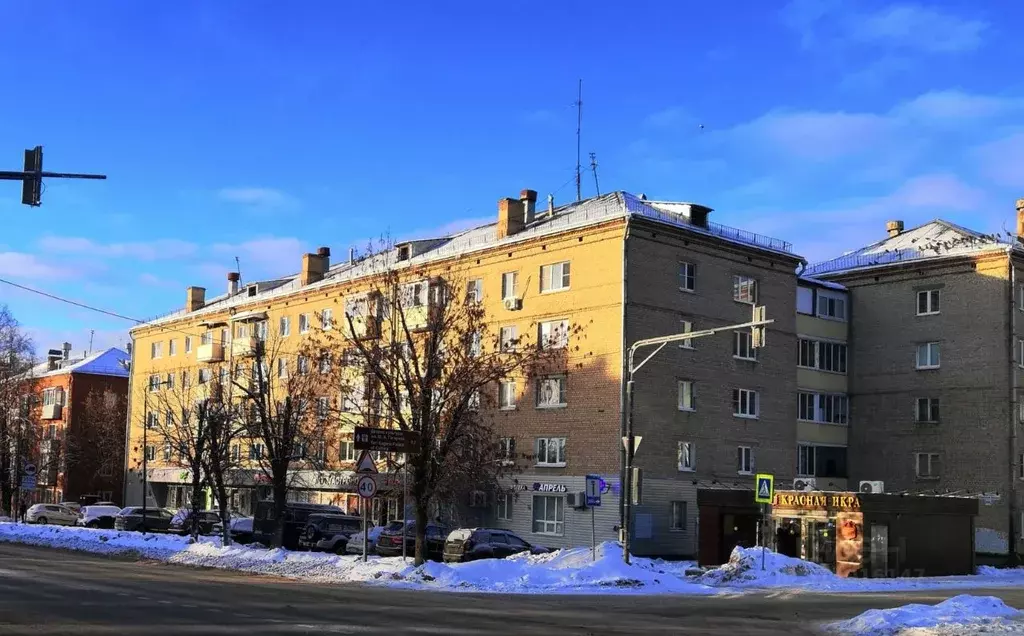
(1020, 219)
(529, 200)
(195, 298)
(511, 217)
(315, 266)
(894, 228)
(233, 278)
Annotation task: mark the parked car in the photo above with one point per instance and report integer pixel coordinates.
(132, 519)
(355, 542)
(97, 516)
(329, 532)
(73, 505)
(295, 515)
(51, 513)
(470, 544)
(389, 543)
(241, 530)
(209, 522)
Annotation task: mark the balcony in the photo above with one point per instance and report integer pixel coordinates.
(53, 411)
(366, 327)
(212, 352)
(416, 318)
(243, 347)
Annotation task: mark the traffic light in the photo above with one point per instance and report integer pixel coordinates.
(32, 184)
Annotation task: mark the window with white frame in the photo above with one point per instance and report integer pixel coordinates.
(284, 326)
(152, 420)
(503, 506)
(506, 395)
(550, 451)
(473, 403)
(927, 302)
(549, 514)
(324, 363)
(927, 410)
(302, 364)
(188, 344)
(507, 450)
(414, 294)
(323, 407)
(347, 451)
(928, 355)
(169, 381)
(150, 453)
(509, 284)
(1020, 353)
(805, 300)
(473, 344)
(554, 277)
(830, 408)
(743, 345)
(156, 350)
(242, 331)
(744, 460)
(744, 289)
(551, 392)
(255, 451)
(686, 326)
(206, 337)
(805, 460)
(927, 465)
(260, 330)
(687, 456)
(553, 334)
(303, 323)
(822, 355)
(685, 396)
(475, 290)
(327, 319)
(508, 337)
(282, 368)
(167, 451)
(55, 395)
(236, 452)
(831, 306)
(677, 516)
(687, 277)
(205, 375)
(172, 347)
(744, 403)
(154, 383)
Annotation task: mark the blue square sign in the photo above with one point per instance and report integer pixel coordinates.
(594, 487)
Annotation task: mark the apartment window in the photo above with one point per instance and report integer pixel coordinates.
(928, 355)
(169, 382)
(242, 331)
(188, 344)
(1020, 297)
(677, 516)
(508, 337)
(302, 365)
(831, 306)
(1020, 466)
(172, 347)
(744, 289)
(55, 395)
(503, 507)
(152, 420)
(348, 451)
(822, 355)
(685, 401)
(548, 514)
(687, 456)
(255, 451)
(744, 403)
(327, 319)
(260, 330)
(805, 460)
(473, 344)
(554, 277)
(154, 384)
(236, 452)
(475, 290)
(1020, 353)
(686, 326)
(553, 334)
(1020, 408)
(506, 395)
(323, 407)
(927, 411)
(167, 452)
(743, 345)
(507, 450)
(150, 453)
(830, 408)
(509, 283)
(284, 326)
(303, 323)
(927, 302)
(744, 460)
(282, 368)
(206, 338)
(156, 350)
(225, 336)
(414, 294)
(205, 375)
(927, 465)
(805, 300)
(687, 277)
(551, 392)
(551, 451)
(473, 403)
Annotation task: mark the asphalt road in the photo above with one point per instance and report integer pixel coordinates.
(46, 592)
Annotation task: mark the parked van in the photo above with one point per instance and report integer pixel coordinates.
(295, 516)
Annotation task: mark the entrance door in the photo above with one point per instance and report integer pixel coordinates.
(787, 538)
(821, 543)
(879, 550)
(738, 530)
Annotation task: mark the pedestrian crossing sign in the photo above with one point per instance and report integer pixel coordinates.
(764, 488)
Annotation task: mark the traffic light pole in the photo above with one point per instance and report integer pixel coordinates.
(32, 176)
(758, 338)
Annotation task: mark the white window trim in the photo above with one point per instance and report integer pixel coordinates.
(672, 516)
(835, 296)
(693, 268)
(686, 326)
(504, 509)
(917, 355)
(917, 410)
(1020, 353)
(928, 295)
(736, 280)
(546, 464)
(513, 293)
(683, 468)
(304, 323)
(750, 461)
(679, 396)
(917, 464)
(735, 343)
(757, 405)
(561, 275)
(555, 533)
(562, 401)
(514, 400)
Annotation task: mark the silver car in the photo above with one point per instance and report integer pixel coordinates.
(51, 513)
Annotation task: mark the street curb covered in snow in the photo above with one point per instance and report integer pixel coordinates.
(961, 615)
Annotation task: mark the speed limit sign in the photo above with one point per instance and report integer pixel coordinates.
(366, 487)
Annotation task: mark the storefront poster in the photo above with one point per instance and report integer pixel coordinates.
(849, 543)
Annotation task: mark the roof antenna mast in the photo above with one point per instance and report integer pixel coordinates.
(579, 126)
(238, 268)
(593, 166)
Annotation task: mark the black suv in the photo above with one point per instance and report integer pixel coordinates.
(295, 515)
(329, 532)
(389, 543)
(470, 544)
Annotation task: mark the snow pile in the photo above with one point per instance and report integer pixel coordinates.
(744, 570)
(962, 614)
(153, 546)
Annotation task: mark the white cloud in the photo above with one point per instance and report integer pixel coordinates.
(263, 257)
(1002, 161)
(30, 266)
(668, 117)
(918, 28)
(143, 250)
(258, 197)
(956, 106)
(814, 135)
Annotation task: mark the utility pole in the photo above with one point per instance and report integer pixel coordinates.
(756, 325)
(32, 176)
(579, 127)
(593, 167)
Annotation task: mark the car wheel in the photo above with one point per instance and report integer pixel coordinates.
(40, 519)
(93, 524)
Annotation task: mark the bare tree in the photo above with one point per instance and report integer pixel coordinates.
(101, 446)
(223, 452)
(16, 401)
(424, 347)
(278, 397)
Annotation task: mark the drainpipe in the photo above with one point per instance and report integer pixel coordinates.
(1014, 410)
(622, 381)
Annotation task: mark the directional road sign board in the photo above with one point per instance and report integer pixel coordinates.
(28, 469)
(28, 482)
(366, 464)
(764, 488)
(388, 440)
(594, 487)
(366, 487)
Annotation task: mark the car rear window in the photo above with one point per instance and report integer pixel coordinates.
(396, 526)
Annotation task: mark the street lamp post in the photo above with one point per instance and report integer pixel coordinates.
(756, 325)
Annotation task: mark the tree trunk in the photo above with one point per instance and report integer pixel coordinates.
(422, 515)
(194, 507)
(280, 479)
(225, 514)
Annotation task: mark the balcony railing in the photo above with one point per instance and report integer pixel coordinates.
(212, 352)
(52, 411)
(243, 347)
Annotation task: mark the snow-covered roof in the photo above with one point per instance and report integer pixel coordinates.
(113, 362)
(936, 239)
(810, 280)
(614, 205)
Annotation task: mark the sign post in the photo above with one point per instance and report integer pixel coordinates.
(388, 440)
(764, 490)
(594, 487)
(367, 488)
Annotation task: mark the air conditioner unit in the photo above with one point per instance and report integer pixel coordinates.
(805, 484)
(477, 499)
(512, 304)
(872, 487)
(576, 499)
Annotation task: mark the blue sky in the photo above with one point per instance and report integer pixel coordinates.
(259, 130)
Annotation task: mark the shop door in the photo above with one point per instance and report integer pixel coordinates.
(738, 530)
(879, 550)
(821, 543)
(787, 538)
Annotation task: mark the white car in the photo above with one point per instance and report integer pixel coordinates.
(51, 513)
(355, 542)
(97, 516)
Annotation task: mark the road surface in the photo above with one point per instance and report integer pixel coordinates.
(45, 592)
